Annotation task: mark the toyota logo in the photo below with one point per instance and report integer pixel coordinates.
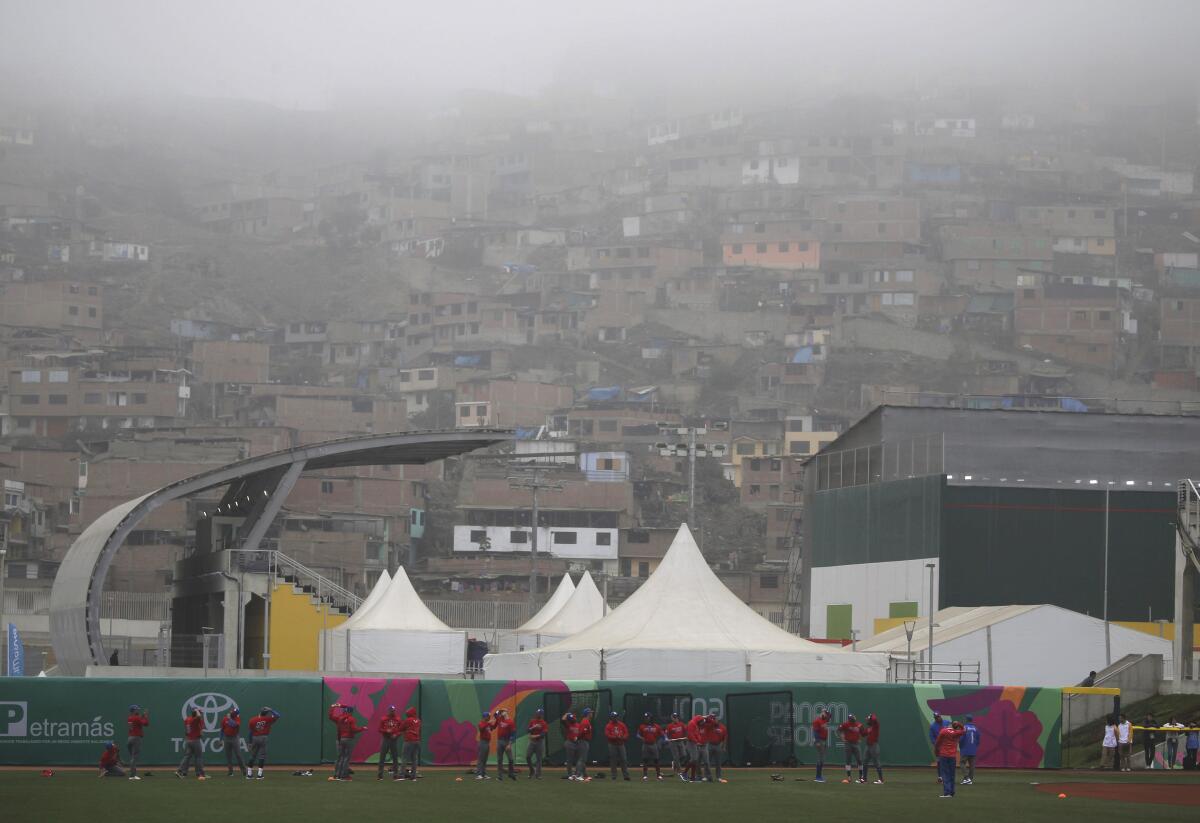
(212, 705)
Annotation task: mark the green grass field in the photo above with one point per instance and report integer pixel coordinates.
(751, 796)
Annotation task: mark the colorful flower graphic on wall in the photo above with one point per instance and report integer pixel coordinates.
(1010, 737)
(453, 744)
(369, 698)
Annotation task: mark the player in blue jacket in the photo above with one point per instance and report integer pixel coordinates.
(935, 729)
(968, 747)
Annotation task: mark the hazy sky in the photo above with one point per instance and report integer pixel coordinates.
(309, 54)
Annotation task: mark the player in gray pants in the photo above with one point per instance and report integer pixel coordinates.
(486, 726)
(193, 753)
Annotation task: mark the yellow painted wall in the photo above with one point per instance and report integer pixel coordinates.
(882, 624)
(1167, 630)
(296, 626)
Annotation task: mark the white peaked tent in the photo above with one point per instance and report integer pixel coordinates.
(397, 634)
(584, 607)
(684, 624)
(557, 600)
(332, 643)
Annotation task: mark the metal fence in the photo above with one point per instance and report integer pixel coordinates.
(1043, 402)
(917, 457)
(474, 614)
(117, 605)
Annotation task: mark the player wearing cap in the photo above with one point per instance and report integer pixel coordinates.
(698, 749)
(585, 745)
(649, 733)
(260, 730)
(231, 725)
(935, 727)
(570, 730)
(410, 728)
(677, 741)
(110, 761)
(851, 732)
(946, 747)
(616, 733)
(535, 752)
(484, 748)
(137, 721)
(506, 735)
(389, 742)
(871, 749)
(347, 728)
(820, 731)
(193, 751)
(715, 735)
(968, 747)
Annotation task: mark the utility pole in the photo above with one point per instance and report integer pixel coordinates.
(691, 450)
(931, 567)
(535, 482)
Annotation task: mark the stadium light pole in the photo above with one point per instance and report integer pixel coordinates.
(3, 617)
(910, 626)
(931, 567)
(1107, 636)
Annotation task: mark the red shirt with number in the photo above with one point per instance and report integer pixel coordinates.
(650, 732)
(538, 728)
(676, 730)
(851, 732)
(872, 732)
(389, 726)
(616, 731)
(136, 724)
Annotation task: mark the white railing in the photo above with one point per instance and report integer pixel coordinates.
(276, 564)
(117, 604)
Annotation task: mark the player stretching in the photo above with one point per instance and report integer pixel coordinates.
(389, 742)
(946, 746)
(260, 730)
(698, 749)
(570, 730)
(871, 739)
(410, 727)
(820, 730)
(850, 732)
(585, 744)
(138, 720)
(677, 740)
(110, 761)
(231, 725)
(715, 735)
(616, 733)
(535, 753)
(506, 734)
(193, 750)
(649, 732)
(347, 728)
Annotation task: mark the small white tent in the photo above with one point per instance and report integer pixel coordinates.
(1027, 645)
(399, 634)
(585, 606)
(557, 600)
(685, 624)
(332, 642)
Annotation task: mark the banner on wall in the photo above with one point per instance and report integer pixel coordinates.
(67, 721)
(15, 655)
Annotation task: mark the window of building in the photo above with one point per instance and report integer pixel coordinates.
(606, 425)
(519, 536)
(566, 538)
(755, 489)
(1104, 316)
(637, 536)
(1029, 294)
(405, 377)
(478, 536)
(93, 291)
(802, 246)
(92, 398)
(783, 246)
(799, 447)
(57, 376)
(91, 311)
(745, 448)
(768, 581)
(624, 253)
(29, 399)
(73, 288)
(832, 278)
(603, 538)
(58, 400)
(73, 311)
(760, 247)
(643, 568)
(326, 487)
(905, 298)
(755, 465)
(362, 406)
(1079, 315)
(776, 465)
(31, 376)
(139, 399)
(736, 249)
(625, 567)
(904, 276)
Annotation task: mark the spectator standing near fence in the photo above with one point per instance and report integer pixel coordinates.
(1191, 750)
(1125, 743)
(1149, 741)
(1108, 746)
(1172, 741)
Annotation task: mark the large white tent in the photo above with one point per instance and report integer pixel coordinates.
(1019, 645)
(685, 624)
(584, 607)
(395, 634)
(557, 600)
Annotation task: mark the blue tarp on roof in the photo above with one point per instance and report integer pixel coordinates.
(1073, 405)
(527, 434)
(604, 393)
(468, 359)
(803, 355)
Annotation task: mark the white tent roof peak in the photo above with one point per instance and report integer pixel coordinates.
(400, 607)
(376, 592)
(584, 608)
(557, 600)
(683, 605)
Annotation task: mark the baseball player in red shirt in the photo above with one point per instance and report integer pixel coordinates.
(820, 732)
(535, 753)
(616, 733)
(389, 742)
(649, 733)
(410, 727)
(698, 749)
(871, 738)
(715, 734)
(677, 740)
(347, 728)
(946, 747)
(483, 750)
(584, 745)
(260, 731)
(110, 761)
(506, 735)
(570, 730)
(137, 722)
(851, 732)
(231, 726)
(193, 751)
